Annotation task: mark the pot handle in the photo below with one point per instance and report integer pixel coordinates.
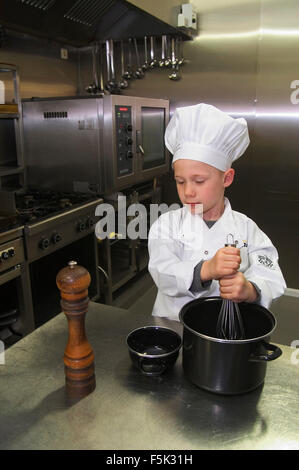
(276, 352)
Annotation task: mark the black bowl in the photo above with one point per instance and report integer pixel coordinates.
(154, 349)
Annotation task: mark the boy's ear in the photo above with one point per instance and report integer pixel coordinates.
(228, 177)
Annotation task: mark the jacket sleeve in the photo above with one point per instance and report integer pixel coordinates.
(263, 270)
(197, 284)
(172, 275)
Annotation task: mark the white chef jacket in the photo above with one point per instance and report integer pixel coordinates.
(179, 240)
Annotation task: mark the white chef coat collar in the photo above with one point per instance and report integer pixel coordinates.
(228, 225)
(193, 226)
(186, 213)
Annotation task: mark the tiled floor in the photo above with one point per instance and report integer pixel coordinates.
(140, 294)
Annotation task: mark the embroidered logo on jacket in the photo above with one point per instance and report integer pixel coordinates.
(265, 261)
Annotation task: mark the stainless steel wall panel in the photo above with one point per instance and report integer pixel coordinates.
(42, 71)
(275, 200)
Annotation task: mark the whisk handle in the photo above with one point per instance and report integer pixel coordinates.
(231, 242)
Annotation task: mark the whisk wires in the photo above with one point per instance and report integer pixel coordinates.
(230, 324)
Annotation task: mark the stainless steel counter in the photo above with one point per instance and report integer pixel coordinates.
(128, 410)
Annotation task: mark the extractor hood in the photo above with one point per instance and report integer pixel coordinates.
(81, 22)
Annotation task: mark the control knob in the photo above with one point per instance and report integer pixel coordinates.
(129, 154)
(90, 222)
(4, 255)
(11, 252)
(44, 243)
(56, 237)
(81, 226)
(129, 127)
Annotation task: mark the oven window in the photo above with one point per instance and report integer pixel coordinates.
(152, 130)
(43, 272)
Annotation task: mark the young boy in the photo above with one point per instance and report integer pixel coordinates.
(188, 257)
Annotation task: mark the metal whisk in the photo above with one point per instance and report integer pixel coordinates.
(230, 324)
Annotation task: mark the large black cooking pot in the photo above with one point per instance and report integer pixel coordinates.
(226, 366)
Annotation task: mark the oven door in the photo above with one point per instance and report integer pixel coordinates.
(151, 120)
(13, 315)
(16, 314)
(43, 272)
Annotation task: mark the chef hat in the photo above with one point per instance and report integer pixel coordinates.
(206, 134)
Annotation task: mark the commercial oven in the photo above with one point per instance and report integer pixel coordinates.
(16, 314)
(44, 231)
(59, 228)
(103, 144)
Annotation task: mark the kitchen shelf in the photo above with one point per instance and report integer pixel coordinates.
(11, 111)
(9, 115)
(9, 108)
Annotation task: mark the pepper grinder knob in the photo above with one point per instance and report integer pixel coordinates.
(73, 282)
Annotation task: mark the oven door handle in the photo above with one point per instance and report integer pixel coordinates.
(139, 148)
(12, 273)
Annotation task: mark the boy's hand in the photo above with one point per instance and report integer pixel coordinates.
(225, 262)
(237, 288)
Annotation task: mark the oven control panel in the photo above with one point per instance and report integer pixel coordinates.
(124, 140)
(80, 226)
(11, 253)
(44, 239)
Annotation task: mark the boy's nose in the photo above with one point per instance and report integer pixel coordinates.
(189, 190)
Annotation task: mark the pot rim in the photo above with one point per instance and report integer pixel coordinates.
(222, 340)
(152, 356)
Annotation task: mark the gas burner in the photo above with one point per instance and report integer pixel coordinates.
(9, 222)
(28, 200)
(36, 205)
(65, 202)
(31, 214)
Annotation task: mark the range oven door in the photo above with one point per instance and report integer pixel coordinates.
(16, 316)
(43, 272)
(10, 308)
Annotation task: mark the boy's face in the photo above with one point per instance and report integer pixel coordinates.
(200, 183)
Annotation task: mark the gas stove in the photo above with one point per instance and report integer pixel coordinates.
(53, 219)
(35, 206)
(40, 232)
(50, 219)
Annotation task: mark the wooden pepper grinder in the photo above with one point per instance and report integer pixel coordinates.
(73, 282)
